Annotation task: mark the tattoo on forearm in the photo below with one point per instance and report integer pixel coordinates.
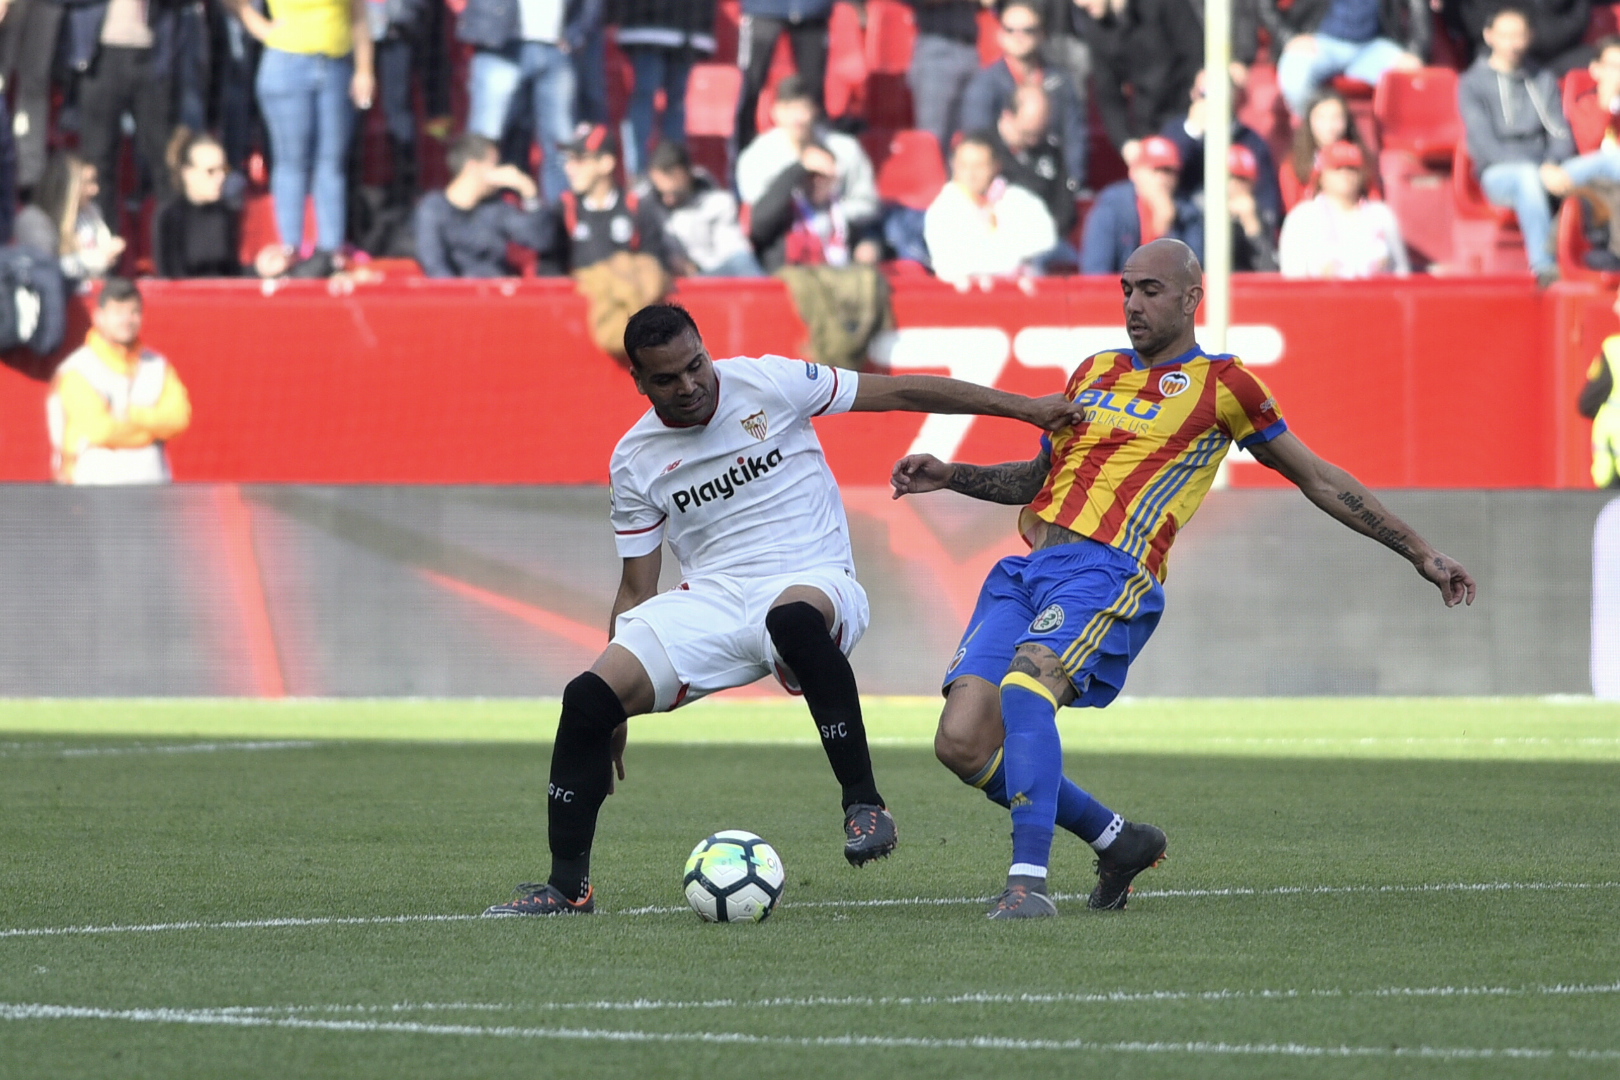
(1397, 540)
(1014, 483)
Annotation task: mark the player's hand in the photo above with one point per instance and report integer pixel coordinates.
(621, 735)
(1456, 585)
(1053, 412)
(918, 473)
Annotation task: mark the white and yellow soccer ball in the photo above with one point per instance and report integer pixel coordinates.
(734, 876)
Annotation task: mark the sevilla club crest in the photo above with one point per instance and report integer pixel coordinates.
(755, 424)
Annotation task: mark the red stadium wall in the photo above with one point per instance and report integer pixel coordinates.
(1429, 382)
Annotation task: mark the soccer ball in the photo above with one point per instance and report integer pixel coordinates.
(734, 876)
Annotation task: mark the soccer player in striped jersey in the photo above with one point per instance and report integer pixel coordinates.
(1102, 504)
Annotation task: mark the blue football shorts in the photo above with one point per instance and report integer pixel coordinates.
(1088, 602)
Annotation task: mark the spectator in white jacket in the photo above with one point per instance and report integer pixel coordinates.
(981, 227)
(1340, 233)
(696, 218)
(798, 127)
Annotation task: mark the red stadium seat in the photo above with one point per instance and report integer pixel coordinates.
(891, 34)
(1417, 113)
(1605, 21)
(912, 170)
(1572, 249)
(1485, 237)
(846, 63)
(1420, 195)
(712, 91)
(727, 18)
(1263, 109)
(1579, 81)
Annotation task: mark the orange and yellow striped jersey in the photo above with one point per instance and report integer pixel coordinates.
(1134, 471)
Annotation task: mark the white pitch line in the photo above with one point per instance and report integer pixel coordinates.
(909, 901)
(22, 750)
(1104, 997)
(223, 1018)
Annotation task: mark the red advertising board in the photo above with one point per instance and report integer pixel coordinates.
(1426, 382)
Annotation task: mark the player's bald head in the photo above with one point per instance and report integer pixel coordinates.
(1169, 261)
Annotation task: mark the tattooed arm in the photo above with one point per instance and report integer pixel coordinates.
(1014, 483)
(1343, 497)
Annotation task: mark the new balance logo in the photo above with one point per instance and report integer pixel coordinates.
(726, 484)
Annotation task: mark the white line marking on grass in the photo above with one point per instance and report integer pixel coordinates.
(909, 901)
(22, 750)
(227, 1018)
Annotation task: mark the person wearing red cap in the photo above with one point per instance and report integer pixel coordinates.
(1254, 227)
(1136, 210)
(1187, 132)
(1340, 233)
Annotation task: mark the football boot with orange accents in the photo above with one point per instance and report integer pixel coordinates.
(1024, 898)
(1136, 848)
(869, 833)
(536, 899)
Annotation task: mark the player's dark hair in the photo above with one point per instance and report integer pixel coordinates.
(117, 290)
(655, 325)
(1508, 9)
(468, 146)
(669, 156)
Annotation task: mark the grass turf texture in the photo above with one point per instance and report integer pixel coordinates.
(1346, 796)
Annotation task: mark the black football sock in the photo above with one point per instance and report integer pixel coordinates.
(800, 634)
(581, 770)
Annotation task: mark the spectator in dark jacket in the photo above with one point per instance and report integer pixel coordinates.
(992, 89)
(943, 62)
(763, 22)
(123, 51)
(694, 217)
(196, 234)
(1359, 38)
(1254, 228)
(662, 38)
(1030, 157)
(1188, 135)
(1522, 147)
(802, 219)
(1557, 29)
(397, 30)
(599, 219)
(463, 231)
(1144, 55)
(527, 44)
(1137, 210)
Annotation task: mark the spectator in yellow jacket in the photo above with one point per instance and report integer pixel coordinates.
(114, 403)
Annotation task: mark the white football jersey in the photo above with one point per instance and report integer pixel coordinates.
(750, 491)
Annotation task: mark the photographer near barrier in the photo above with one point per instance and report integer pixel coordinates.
(1454, 397)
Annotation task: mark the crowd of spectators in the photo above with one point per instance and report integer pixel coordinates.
(214, 99)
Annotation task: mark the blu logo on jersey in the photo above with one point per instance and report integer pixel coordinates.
(1109, 402)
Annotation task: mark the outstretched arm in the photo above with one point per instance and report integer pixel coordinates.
(1343, 497)
(1014, 483)
(936, 394)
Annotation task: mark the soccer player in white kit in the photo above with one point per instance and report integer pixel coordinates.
(727, 469)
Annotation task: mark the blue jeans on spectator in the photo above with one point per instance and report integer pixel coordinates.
(1517, 184)
(656, 68)
(305, 101)
(590, 77)
(742, 264)
(1301, 74)
(191, 64)
(393, 60)
(495, 80)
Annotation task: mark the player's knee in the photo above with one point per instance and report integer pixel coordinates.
(795, 626)
(955, 752)
(590, 707)
(969, 730)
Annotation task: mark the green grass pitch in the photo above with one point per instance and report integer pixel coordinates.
(1356, 888)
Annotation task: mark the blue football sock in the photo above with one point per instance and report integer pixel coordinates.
(1034, 767)
(1083, 815)
(992, 779)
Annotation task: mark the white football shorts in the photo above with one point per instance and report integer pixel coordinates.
(709, 634)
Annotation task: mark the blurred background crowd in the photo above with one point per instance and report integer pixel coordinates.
(964, 138)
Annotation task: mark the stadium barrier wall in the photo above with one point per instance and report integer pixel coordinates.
(219, 589)
(1424, 382)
